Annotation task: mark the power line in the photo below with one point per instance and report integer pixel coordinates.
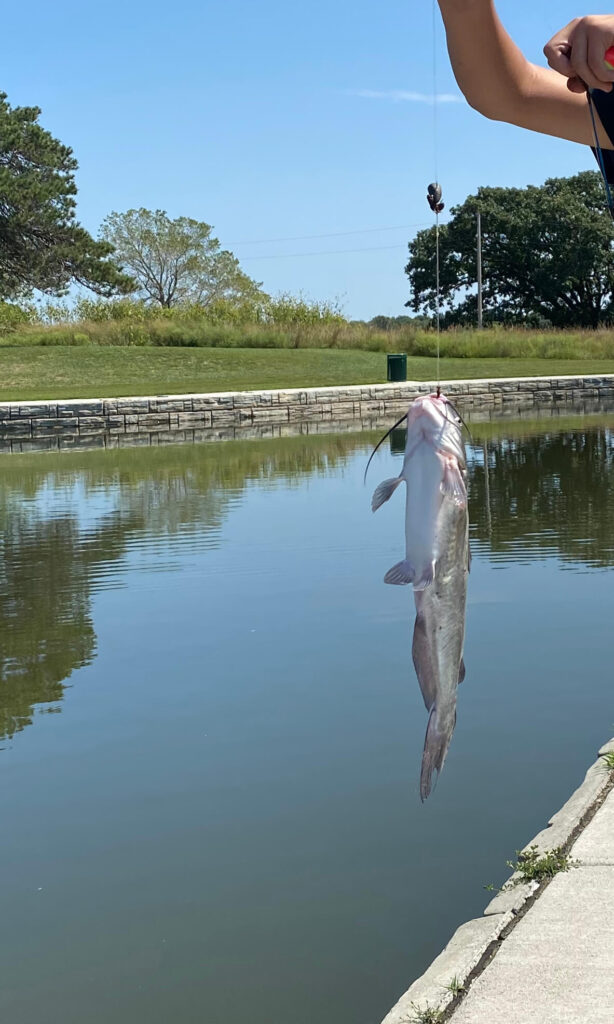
(323, 252)
(332, 234)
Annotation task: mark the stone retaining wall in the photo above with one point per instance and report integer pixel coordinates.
(30, 426)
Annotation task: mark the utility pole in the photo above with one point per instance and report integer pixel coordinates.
(480, 321)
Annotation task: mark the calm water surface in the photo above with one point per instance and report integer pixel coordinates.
(210, 728)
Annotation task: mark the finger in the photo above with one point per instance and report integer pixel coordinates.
(576, 85)
(557, 54)
(596, 60)
(579, 61)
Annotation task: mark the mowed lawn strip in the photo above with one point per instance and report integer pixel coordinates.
(31, 373)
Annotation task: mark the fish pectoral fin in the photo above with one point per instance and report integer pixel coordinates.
(461, 671)
(401, 573)
(426, 578)
(452, 484)
(385, 491)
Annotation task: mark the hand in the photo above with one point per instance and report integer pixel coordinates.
(578, 52)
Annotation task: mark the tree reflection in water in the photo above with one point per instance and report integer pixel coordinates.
(50, 563)
(547, 491)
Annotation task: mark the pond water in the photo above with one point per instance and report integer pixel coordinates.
(211, 731)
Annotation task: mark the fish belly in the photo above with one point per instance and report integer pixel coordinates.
(424, 475)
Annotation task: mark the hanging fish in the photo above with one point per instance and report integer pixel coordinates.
(436, 563)
(433, 197)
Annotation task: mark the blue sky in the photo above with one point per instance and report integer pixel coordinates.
(254, 118)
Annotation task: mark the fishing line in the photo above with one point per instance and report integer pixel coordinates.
(434, 193)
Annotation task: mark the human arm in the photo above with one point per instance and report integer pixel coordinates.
(499, 81)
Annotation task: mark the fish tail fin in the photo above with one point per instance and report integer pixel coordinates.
(436, 745)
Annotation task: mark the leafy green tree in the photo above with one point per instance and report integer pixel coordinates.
(176, 261)
(42, 246)
(547, 256)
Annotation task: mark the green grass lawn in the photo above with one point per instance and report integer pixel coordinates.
(90, 372)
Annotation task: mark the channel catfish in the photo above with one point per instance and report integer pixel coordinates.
(436, 563)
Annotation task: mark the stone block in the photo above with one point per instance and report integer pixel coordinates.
(92, 424)
(85, 407)
(30, 410)
(115, 423)
(289, 397)
(132, 406)
(222, 417)
(66, 424)
(82, 442)
(595, 845)
(16, 428)
(372, 408)
(165, 404)
(305, 412)
(275, 414)
(193, 419)
(343, 410)
(204, 403)
(254, 398)
(154, 421)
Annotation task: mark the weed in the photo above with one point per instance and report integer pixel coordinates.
(608, 761)
(455, 986)
(532, 867)
(424, 1015)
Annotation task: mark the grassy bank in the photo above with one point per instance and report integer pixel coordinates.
(92, 371)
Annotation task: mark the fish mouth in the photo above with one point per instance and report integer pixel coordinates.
(431, 407)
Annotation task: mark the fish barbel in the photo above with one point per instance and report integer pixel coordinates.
(436, 563)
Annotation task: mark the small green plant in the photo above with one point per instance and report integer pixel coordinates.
(531, 867)
(424, 1015)
(608, 761)
(455, 986)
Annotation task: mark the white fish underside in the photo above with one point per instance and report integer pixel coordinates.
(436, 563)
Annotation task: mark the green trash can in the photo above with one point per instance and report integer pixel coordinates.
(397, 366)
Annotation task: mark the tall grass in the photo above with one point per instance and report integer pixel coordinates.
(286, 323)
(491, 343)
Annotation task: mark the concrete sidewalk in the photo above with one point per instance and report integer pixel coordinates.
(543, 953)
(557, 965)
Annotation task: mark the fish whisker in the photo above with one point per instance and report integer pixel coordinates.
(454, 409)
(380, 442)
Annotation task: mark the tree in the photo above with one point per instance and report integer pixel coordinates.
(547, 256)
(42, 246)
(176, 261)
